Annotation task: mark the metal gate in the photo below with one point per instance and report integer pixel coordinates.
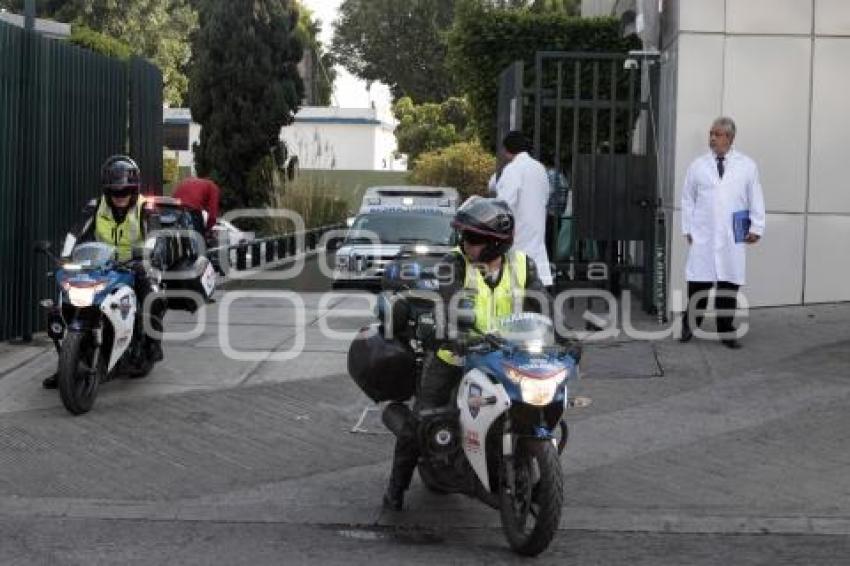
(591, 118)
(63, 110)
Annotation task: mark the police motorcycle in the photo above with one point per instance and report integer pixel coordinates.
(96, 323)
(501, 437)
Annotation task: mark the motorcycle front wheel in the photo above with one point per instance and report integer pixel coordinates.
(78, 372)
(531, 508)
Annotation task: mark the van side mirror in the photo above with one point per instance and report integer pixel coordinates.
(334, 244)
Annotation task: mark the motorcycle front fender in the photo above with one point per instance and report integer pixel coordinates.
(480, 402)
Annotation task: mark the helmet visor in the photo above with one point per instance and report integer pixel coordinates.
(120, 192)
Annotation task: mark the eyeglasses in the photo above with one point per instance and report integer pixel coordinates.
(120, 192)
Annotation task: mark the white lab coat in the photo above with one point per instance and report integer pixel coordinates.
(708, 203)
(524, 185)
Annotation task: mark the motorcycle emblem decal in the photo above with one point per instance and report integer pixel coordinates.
(474, 400)
(472, 442)
(124, 307)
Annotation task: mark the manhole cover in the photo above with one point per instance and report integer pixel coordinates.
(620, 360)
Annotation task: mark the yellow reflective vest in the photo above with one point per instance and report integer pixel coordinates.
(124, 235)
(491, 304)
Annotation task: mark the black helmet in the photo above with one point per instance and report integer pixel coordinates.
(119, 173)
(486, 220)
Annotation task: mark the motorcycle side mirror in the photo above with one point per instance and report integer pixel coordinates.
(43, 247)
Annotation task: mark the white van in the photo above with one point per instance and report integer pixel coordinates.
(390, 220)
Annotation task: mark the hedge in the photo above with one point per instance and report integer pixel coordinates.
(484, 41)
(99, 43)
(465, 166)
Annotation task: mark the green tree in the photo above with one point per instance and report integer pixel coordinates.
(155, 29)
(429, 126)
(244, 87)
(309, 31)
(400, 43)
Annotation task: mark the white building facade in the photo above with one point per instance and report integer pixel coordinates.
(180, 134)
(781, 70)
(343, 138)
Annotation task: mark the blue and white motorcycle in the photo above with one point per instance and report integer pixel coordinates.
(501, 438)
(96, 324)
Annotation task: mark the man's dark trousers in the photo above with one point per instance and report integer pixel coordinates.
(725, 301)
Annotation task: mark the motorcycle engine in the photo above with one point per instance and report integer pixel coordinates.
(445, 465)
(441, 437)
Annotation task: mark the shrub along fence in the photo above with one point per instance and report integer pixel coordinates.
(63, 111)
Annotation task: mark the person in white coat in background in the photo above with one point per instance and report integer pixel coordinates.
(722, 213)
(524, 185)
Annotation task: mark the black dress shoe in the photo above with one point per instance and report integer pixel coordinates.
(732, 344)
(393, 499)
(687, 334)
(51, 382)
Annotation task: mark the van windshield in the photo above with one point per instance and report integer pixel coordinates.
(402, 228)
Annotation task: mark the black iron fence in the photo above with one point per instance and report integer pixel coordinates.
(590, 116)
(63, 110)
(263, 253)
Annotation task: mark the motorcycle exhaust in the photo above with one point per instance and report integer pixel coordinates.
(397, 417)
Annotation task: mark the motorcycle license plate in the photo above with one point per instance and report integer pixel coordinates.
(208, 280)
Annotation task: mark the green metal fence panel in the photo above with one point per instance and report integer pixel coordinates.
(63, 111)
(11, 45)
(145, 109)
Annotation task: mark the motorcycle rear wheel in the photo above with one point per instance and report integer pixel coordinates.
(78, 382)
(531, 508)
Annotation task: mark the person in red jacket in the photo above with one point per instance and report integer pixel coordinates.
(200, 195)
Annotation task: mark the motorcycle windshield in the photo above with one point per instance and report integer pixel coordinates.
(92, 255)
(530, 331)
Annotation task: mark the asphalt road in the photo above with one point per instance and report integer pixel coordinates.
(94, 542)
(688, 454)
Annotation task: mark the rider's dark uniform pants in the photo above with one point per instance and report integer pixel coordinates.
(438, 381)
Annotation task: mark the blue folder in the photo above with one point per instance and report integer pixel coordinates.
(741, 225)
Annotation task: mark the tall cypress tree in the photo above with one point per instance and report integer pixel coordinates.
(244, 87)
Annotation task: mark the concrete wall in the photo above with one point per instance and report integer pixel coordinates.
(781, 69)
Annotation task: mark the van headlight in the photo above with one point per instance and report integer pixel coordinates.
(341, 262)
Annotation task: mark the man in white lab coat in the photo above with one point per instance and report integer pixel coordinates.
(524, 185)
(721, 195)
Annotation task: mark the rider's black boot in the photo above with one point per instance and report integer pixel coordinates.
(51, 382)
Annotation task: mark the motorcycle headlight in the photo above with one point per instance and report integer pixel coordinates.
(83, 296)
(537, 390)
